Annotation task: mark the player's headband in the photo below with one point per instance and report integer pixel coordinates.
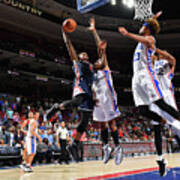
(146, 24)
(149, 27)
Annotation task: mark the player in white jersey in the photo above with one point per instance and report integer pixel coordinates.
(164, 66)
(24, 130)
(106, 110)
(145, 85)
(30, 142)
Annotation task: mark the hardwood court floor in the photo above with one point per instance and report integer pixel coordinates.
(86, 169)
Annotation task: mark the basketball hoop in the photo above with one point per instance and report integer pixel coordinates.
(143, 9)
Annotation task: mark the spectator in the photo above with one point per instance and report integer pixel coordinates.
(70, 131)
(5, 105)
(14, 106)
(1, 103)
(3, 118)
(2, 143)
(96, 134)
(43, 126)
(16, 118)
(9, 113)
(43, 134)
(4, 135)
(20, 137)
(60, 117)
(44, 116)
(57, 125)
(49, 151)
(42, 150)
(12, 136)
(50, 136)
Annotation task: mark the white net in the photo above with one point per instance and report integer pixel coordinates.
(143, 9)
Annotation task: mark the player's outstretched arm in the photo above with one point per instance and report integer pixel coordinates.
(70, 47)
(169, 57)
(101, 47)
(148, 40)
(92, 28)
(157, 15)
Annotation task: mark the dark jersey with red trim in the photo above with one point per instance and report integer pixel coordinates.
(84, 75)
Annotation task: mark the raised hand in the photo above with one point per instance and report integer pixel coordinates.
(123, 31)
(157, 15)
(92, 24)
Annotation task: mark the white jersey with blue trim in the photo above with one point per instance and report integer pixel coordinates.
(142, 58)
(103, 85)
(29, 134)
(165, 76)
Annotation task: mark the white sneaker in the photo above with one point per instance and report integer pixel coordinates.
(107, 153)
(119, 155)
(28, 169)
(22, 166)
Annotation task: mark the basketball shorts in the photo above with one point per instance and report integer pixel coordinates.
(30, 145)
(106, 110)
(146, 88)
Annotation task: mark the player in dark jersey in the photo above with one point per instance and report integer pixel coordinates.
(82, 93)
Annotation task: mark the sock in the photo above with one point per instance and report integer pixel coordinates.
(158, 139)
(160, 158)
(115, 136)
(104, 136)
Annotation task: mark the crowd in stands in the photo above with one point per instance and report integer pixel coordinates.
(14, 110)
(134, 127)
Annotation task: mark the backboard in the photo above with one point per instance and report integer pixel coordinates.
(85, 6)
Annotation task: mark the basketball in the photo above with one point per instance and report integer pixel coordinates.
(69, 25)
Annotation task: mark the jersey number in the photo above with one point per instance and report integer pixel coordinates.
(137, 56)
